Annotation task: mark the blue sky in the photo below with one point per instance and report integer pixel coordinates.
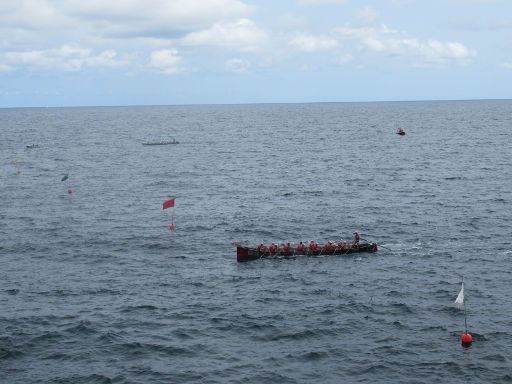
(140, 52)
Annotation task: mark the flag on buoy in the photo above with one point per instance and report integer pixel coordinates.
(459, 301)
(466, 339)
(168, 203)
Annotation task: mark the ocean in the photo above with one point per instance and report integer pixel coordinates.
(94, 287)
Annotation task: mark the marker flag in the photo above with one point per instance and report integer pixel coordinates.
(459, 301)
(168, 204)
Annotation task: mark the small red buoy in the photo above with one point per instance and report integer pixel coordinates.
(466, 340)
(70, 190)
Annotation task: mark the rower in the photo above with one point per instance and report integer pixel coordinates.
(301, 247)
(356, 239)
(272, 248)
(327, 247)
(261, 249)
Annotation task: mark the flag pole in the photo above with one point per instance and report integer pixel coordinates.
(465, 312)
(465, 319)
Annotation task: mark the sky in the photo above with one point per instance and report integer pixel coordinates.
(168, 52)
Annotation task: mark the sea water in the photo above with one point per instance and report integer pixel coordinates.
(94, 288)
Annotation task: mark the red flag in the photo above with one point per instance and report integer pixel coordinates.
(169, 203)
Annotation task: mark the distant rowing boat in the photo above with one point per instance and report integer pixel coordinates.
(245, 253)
(163, 142)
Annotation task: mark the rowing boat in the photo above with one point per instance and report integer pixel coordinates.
(163, 142)
(247, 253)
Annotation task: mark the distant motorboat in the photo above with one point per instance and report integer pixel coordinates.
(400, 132)
(32, 146)
(162, 142)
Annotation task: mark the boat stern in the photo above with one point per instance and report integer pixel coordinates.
(242, 254)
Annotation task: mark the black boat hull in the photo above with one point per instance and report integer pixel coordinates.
(244, 253)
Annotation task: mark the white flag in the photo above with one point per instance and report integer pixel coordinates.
(459, 301)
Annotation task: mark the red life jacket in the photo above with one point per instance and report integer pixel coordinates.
(327, 247)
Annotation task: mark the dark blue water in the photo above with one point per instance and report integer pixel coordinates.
(95, 289)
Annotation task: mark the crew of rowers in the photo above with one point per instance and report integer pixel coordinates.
(312, 247)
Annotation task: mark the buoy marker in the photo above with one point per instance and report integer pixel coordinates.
(466, 339)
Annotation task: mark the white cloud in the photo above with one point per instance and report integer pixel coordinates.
(164, 18)
(310, 43)
(5, 68)
(344, 58)
(292, 21)
(506, 65)
(31, 15)
(242, 35)
(73, 35)
(367, 15)
(166, 61)
(67, 58)
(237, 65)
(121, 18)
(384, 40)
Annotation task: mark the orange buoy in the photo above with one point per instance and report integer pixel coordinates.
(70, 190)
(466, 340)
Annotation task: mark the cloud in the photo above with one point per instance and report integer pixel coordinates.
(292, 21)
(506, 65)
(367, 15)
(344, 58)
(122, 18)
(164, 18)
(166, 61)
(31, 15)
(67, 58)
(310, 43)
(5, 68)
(73, 35)
(237, 65)
(242, 35)
(383, 40)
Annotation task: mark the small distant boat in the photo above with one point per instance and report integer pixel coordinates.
(161, 142)
(245, 253)
(32, 146)
(400, 132)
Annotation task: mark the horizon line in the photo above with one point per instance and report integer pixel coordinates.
(253, 103)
